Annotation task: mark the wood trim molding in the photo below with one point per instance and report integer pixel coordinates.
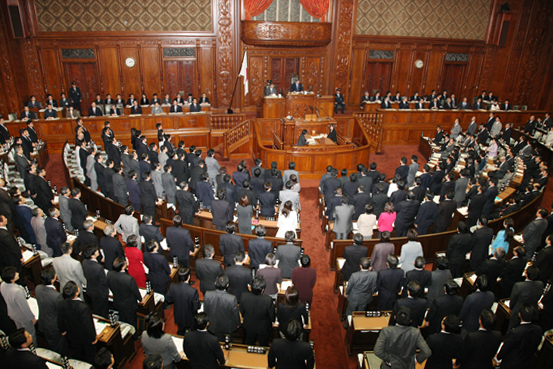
(293, 34)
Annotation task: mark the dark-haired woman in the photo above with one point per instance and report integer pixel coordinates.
(155, 341)
(244, 212)
(292, 308)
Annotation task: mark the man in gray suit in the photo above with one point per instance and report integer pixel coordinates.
(127, 224)
(90, 171)
(461, 187)
(288, 255)
(533, 232)
(120, 186)
(289, 195)
(48, 298)
(69, 269)
(169, 184)
(222, 308)
(156, 179)
(397, 345)
(65, 212)
(23, 164)
(16, 302)
(288, 172)
(456, 129)
(527, 292)
(413, 169)
(343, 219)
(361, 287)
(471, 130)
(156, 109)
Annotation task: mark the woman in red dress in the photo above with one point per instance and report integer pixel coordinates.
(136, 261)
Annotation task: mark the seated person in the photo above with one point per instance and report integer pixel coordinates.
(301, 140)
(136, 109)
(195, 107)
(175, 108)
(339, 101)
(204, 99)
(50, 112)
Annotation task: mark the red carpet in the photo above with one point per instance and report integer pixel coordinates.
(327, 333)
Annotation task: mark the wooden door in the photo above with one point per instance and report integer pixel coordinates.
(181, 77)
(282, 71)
(378, 78)
(452, 79)
(86, 76)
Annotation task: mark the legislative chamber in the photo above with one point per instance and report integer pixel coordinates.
(276, 184)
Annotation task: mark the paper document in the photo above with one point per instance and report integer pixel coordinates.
(27, 255)
(99, 326)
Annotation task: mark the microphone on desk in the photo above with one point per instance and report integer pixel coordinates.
(291, 117)
(327, 115)
(318, 113)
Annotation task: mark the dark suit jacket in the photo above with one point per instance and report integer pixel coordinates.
(175, 109)
(187, 303)
(353, 255)
(532, 235)
(423, 277)
(196, 176)
(301, 141)
(440, 308)
(473, 306)
(379, 200)
(288, 256)
(519, 347)
(125, 291)
(229, 244)
(445, 347)
(47, 299)
(222, 212)
(159, 271)
(304, 280)
(285, 354)
(150, 232)
(75, 318)
(85, 239)
(78, 213)
(222, 309)
(258, 250)
(475, 207)
(24, 359)
(443, 215)
(32, 115)
(136, 110)
(492, 268)
(360, 199)
(148, 195)
(203, 350)
(403, 170)
(481, 240)
(44, 194)
(417, 307)
(258, 312)
(97, 113)
(180, 243)
(296, 87)
(239, 279)
(482, 347)
(50, 114)
(388, 283)
(528, 292)
(267, 203)
(544, 261)
(112, 248)
(187, 206)
(96, 285)
(406, 211)
(55, 235)
(207, 271)
(425, 216)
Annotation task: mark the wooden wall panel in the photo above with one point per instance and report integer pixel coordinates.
(206, 60)
(152, 72)
(51, 73)
(131, 76)
(108, 60)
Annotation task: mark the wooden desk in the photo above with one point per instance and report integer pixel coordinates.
(111, 338)
(298, 105)
(503, 315)
(363, 331)
(274, 107)
(323, 141)
(545, 355)
(368, 360)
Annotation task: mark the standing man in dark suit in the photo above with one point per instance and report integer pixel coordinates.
(48, 298)
(444, 213)
(289, 352)
(222, 210)
(111, 246)
(339, 102)
(267, 201)
(186, 301)
(419, 274)
(288, 255)
(389, 282)
(544, 261)
(85, 238)
(397, 345)
(121, 193)
(512, 273)
(482, 344)
(201, 347)
(96, 287)
(475, 206)
(222, 307)
(426, 214)
(480, 242)
(443, 306)
(493, 267)
(533, 232)
(148, 197)
(406, 211)
(230, 243)
(76, 324)
(446, 346)
(149, 231)
(19, 355)
(9, 248)
(258, 312)
(55, 234)
(360, 199)
(78, 210)
(75, 95)
(207, 270)
(474, 304)
(414, 301)
(188, 206)
(240, 277)
(527, 292)
(126, 295)
(259, 247)
(158, 268)
(301, 140)
(353, 255)
(522, 342)
(179, 242)
(361, 287)
(44, 195)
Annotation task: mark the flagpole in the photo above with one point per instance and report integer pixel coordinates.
(229, 110)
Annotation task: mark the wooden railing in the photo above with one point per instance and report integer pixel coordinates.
(226, 121)
(235, 137)
(279, 145)
(372, 124)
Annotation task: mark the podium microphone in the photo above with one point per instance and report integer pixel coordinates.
(327, 115)
(291, 117)
(318, 114)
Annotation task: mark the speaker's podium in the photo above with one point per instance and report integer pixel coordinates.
(298, 105)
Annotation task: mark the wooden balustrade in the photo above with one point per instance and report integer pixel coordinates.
(372, 124)
(226, 121)
(235, 137)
